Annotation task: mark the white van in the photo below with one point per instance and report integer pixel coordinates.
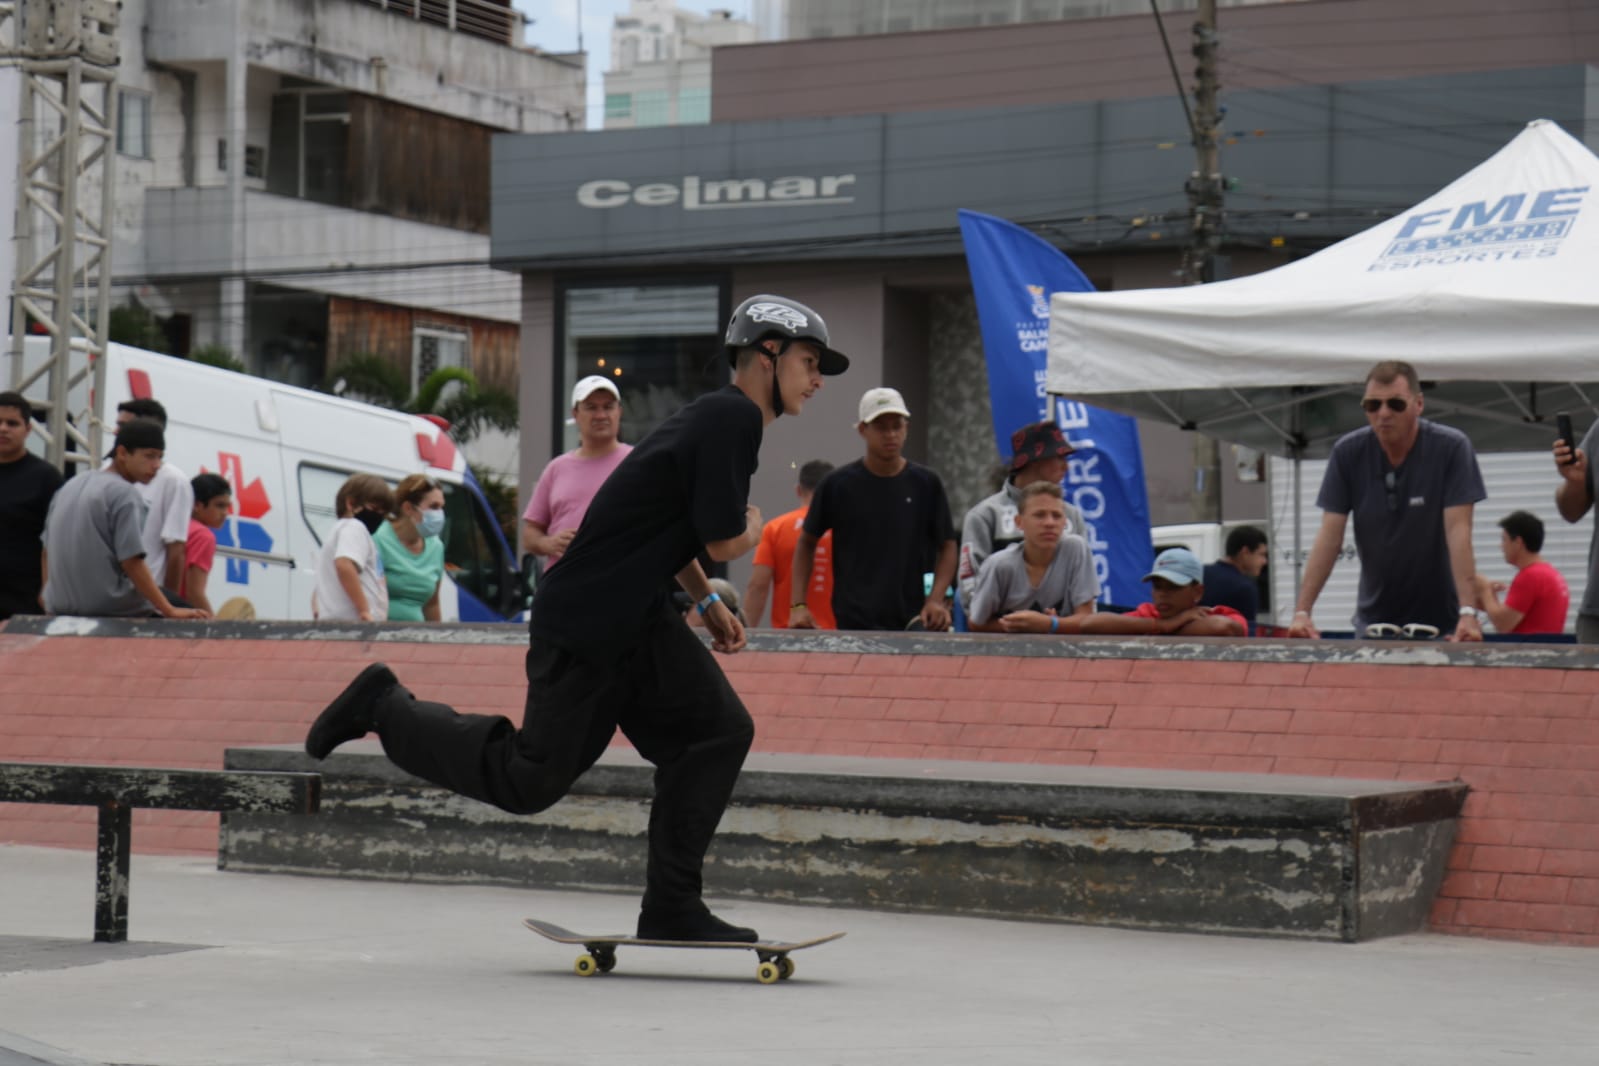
(286, 451)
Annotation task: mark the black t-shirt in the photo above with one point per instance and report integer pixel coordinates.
(887, 533)
(26, 488)
(1226, 586)
(685, 485)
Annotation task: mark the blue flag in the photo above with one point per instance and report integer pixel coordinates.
(1013, 274)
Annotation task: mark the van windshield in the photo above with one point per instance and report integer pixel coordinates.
(471, 555)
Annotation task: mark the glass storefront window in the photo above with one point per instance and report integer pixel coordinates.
(661, 344)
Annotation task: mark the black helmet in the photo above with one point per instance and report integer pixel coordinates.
(761, 317)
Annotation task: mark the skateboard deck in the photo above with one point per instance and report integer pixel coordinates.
(600, 951)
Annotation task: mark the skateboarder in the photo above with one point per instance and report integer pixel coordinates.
(607, 649)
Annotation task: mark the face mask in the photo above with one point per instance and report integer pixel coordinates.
(431, 524)
(370, 519)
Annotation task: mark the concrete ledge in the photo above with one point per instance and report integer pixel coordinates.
(1513, 655)
(1321, 858)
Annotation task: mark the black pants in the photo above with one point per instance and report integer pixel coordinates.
(666, 694)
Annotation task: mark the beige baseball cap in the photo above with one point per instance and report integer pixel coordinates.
(878, 402)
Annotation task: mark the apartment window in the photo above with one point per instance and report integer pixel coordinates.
(310, 144)
(618, 105)
(652, 108)
(358, 151)
(435, 348)
(133, 123)
(694, 106)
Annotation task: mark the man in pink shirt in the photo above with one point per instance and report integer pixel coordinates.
(1538, 599)
(570, 481)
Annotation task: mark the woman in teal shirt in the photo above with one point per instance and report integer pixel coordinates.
(412, 551)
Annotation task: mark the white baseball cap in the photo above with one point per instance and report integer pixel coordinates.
(589, 385)
(882, 402)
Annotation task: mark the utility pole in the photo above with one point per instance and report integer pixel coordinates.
(1205, 185)
(67, 51)
(1202, 260)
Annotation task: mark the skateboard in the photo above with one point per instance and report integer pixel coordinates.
(600, 951)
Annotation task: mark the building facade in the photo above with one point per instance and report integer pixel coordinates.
(814, 19)
(299, 182)
(660, 73)
(633, 245)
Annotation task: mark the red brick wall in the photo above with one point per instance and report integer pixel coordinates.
(1525, 866)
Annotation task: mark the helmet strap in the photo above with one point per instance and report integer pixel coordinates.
(777, 389)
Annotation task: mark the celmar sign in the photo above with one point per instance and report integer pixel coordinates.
(889, 185)
(695, 193)
(737, 187)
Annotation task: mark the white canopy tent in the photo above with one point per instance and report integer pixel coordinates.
(1490, 288)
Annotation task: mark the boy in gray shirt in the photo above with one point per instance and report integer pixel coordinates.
(1045, 584)
(93, 536)
(1039, 454)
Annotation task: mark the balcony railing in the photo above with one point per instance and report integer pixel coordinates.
(493, 20)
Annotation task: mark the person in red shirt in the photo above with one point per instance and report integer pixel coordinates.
(772, 575)
(213, 499)
(1178, 584)
(1538, 599)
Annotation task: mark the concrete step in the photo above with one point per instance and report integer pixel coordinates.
(1319, 858)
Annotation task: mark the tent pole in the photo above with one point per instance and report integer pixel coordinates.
(1299, 507)
(1297, 420)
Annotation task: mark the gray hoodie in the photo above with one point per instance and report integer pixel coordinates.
(991, 525)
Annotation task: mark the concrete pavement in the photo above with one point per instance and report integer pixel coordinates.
(228, 969)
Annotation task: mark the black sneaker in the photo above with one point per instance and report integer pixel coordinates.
(698, 924)
(349, 716)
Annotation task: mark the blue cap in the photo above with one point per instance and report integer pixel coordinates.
(1179, 566)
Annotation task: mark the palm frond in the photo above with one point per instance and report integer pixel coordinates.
(371, 378)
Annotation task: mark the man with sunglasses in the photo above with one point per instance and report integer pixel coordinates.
(1410, 485)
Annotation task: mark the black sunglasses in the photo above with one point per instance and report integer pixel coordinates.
(1395, 403)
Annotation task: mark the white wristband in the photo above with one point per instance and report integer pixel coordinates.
(1472, 611)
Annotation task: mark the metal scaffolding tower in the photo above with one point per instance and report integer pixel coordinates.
(67, 52)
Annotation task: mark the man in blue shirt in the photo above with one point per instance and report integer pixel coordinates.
(1230, 580)
(1410, 485)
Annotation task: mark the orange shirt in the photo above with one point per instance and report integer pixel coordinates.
(777, 551)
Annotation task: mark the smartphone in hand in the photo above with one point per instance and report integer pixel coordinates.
(1563, 422)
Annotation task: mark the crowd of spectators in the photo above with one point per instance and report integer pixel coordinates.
(871, 544)
(1408, 484)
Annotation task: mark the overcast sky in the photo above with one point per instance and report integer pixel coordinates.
(555, 29)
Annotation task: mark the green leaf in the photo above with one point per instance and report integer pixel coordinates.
(431, 391)
(372, 379)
